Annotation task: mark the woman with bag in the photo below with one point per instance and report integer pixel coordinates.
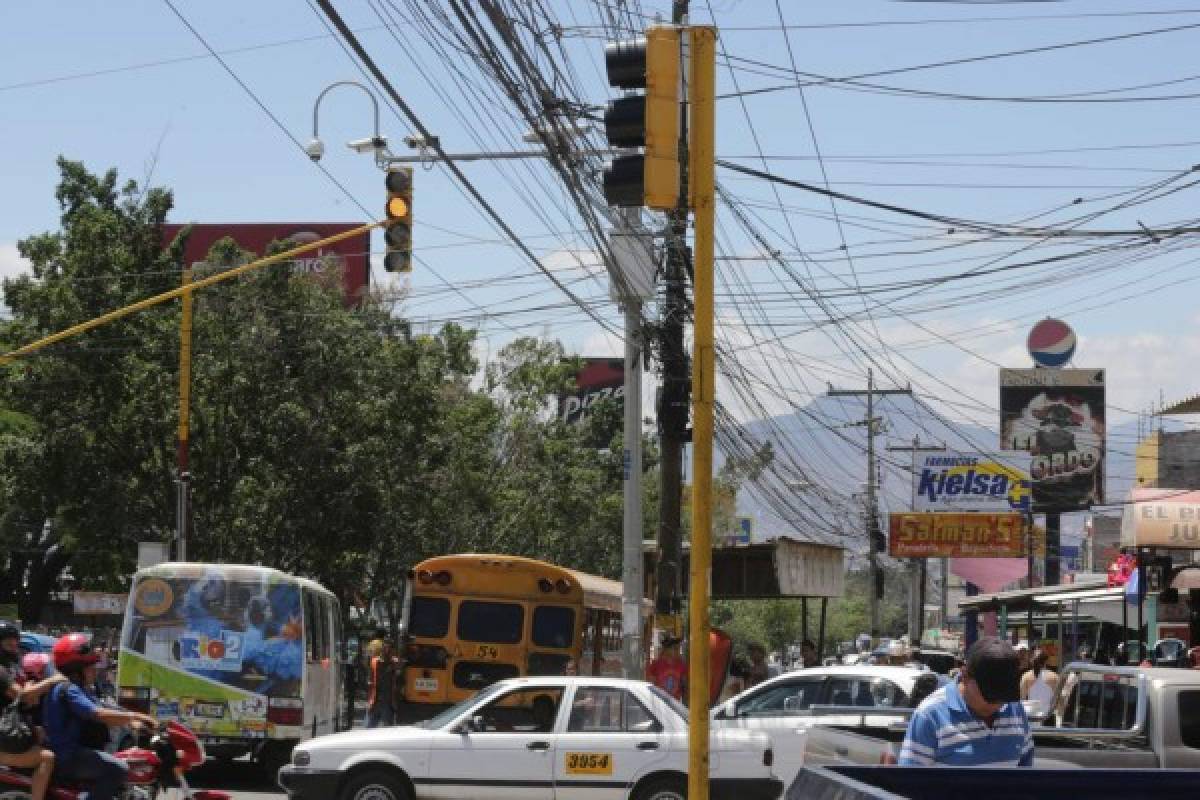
(17, 746)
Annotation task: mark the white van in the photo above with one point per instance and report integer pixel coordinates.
(247, 657)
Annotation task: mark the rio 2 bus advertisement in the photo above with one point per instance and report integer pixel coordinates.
(212, 648)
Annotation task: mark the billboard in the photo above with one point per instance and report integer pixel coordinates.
(1168, 518)
(954, 535)
(353, 253)
(1057, 416)
(951, 481)
(600, 379)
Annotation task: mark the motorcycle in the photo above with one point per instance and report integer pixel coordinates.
(155, 771)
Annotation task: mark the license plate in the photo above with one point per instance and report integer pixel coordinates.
(589, 763)
(211, 710)
(425, 684)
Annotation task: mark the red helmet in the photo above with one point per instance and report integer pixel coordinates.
(74, 650)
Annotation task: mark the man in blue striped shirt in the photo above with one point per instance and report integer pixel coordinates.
(977, 721)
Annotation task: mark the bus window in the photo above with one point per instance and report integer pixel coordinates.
(553, 626)
(311, 626)
(497, 623)
(326, 627)
(429, 617)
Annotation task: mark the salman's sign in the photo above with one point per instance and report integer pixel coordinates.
(949, 535)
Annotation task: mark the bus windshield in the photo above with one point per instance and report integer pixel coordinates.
(239, 631)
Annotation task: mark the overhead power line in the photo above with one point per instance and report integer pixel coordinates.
(957, 222)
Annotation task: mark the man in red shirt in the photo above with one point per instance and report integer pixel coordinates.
(669, 671)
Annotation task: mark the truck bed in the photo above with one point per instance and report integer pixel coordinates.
(985, 783)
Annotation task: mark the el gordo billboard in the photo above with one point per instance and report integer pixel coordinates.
(257, 236)
(950, 481)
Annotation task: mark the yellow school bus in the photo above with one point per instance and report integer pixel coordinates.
(476, 619)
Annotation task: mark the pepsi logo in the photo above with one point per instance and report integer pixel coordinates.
(1051, 343)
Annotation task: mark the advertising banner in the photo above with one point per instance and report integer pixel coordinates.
(952, 535)
(971, 482)
(213, 647)
(600, 379)
(349, 255)
(98, 603)
(1168, 518)
(1057, 416)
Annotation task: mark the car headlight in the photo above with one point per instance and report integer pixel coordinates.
(301, 758)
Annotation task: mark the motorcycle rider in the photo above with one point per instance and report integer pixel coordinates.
(70, 708)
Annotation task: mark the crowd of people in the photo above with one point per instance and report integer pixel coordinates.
(56, 696)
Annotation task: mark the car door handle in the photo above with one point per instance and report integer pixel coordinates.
(842, 751)
(647, 745)
(538, 746)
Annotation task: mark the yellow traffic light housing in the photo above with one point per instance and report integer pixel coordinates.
(649, 120)
(397, 229)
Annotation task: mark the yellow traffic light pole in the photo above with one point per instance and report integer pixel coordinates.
(701, 182)
(185, 398)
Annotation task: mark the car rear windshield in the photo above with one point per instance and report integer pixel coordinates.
(498, 623)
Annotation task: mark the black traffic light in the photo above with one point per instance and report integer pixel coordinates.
(397, 230)
(649, 121)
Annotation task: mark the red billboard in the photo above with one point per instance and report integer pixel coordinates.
(599, 379)
(256, 236)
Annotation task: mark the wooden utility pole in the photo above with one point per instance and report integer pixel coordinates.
(874, 534)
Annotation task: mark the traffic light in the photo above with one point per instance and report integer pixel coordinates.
(397, 231)
(649, 120)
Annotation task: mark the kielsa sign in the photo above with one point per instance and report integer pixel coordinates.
(971, 482)
(1057, 416)
(600, 379)
(952, 535)
(350, 255)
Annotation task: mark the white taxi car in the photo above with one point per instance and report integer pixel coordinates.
(545, 738)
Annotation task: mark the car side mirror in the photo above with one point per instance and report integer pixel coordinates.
(791, 704)
(476, 724)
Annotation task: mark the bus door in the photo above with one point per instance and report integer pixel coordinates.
(322, 687)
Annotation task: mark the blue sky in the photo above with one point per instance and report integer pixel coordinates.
(227, 161)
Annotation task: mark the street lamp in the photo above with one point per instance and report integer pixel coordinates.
(376, 144)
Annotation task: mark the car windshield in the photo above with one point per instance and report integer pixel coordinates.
(453, 712)
(676, 706)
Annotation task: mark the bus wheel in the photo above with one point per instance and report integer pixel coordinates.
(374, 785)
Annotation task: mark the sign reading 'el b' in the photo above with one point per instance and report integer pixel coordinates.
(956, 535)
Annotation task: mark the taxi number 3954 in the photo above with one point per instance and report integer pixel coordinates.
(589, 763)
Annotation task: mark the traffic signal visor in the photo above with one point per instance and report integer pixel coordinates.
(661, 168)
(397, 230)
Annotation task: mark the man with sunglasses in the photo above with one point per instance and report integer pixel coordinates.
(977, 721)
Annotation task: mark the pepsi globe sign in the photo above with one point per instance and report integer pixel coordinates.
(1051, 343)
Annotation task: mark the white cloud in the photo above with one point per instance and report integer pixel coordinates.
(11, 262)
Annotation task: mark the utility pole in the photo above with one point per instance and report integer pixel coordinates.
(675, 397)
(702, 102)
(873, 532)
(633, 581)
(916, 592)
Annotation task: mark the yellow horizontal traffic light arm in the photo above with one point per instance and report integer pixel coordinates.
(158, 299)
